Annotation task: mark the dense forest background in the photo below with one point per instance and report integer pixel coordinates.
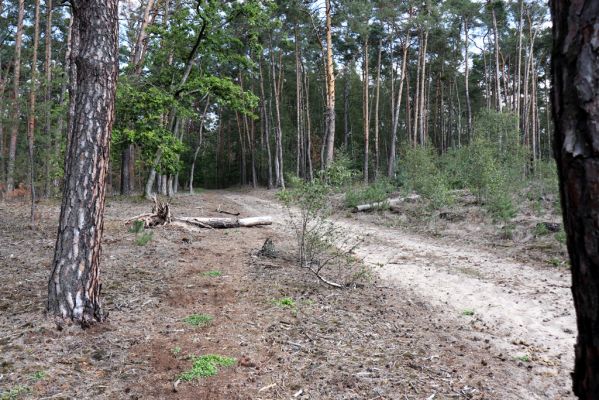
(431, 96)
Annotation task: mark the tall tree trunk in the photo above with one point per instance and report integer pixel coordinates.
(519, 62)
(140, 44)
(422, 108)
(330, 87)
(576, 148)
(74, 285)
(12, 150)
(277, 83)
(467, 79)
(266, 126)
(395, 124)
(3, 81)
(32, 101)
(346, 123)
(376, 113)
(417, 93)
(365, 101)
(199, 146)
(308, 126)
(48, 93)
(497, 75)
(298, 104)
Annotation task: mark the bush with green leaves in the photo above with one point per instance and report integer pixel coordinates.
(419, 172)
(377, 192)
(489, 179)
(340, 173)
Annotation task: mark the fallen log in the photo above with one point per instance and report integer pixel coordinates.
(389, 203)
(161, 215)
(225, 223)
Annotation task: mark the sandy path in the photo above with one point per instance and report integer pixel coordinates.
(519, 309)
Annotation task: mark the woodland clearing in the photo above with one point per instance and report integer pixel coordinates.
(435, 324)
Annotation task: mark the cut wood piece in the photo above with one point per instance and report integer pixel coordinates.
(390, 203)
(221, 211)
(224, 223)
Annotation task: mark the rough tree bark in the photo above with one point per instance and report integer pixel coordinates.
(330, 97)
(48, 91)
(12, 150)
(32, 101)
(74, 285)
(575, 70)
(365, 118)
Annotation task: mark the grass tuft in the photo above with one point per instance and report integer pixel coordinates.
(213, 274)
(198, 320)
(284, 302)
(205, 366)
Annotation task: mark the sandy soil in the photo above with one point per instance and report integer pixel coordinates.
(523, 310)
(402, 337)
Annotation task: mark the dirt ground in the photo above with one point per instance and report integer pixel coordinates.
(445, 319)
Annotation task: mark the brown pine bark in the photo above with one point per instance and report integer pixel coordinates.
(365, 118)
(141, 43)
(32, 101)
(265, 126)
(395, 125)
(48, 91)
(575, 71)
(12, 149)
(497, 75)
(376, 113)
(74, 285)
(330, 88)
(467, 78)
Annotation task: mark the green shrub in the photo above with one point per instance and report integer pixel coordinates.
(340, 173)
(376, 192)
(488, 178)
(420, 173)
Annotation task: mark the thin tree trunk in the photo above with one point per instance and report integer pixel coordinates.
(576, 149)
(48, 93)
(365, 118)
(346, 126)
(417, 94)
(199, 146)
(467, 79)
(519, 62)
(12, 150)
(376, 113)
(308, 126)
(278, 87)
(497, 75)
(298, 104)
(266, 127)
(395, 125)
(330, 88)
(32, 104)
(139, 50)
(74, 285)
(422, 108)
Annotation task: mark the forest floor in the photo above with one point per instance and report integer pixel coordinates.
(454, 311)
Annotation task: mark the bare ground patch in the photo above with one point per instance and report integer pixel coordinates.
(375, 341)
